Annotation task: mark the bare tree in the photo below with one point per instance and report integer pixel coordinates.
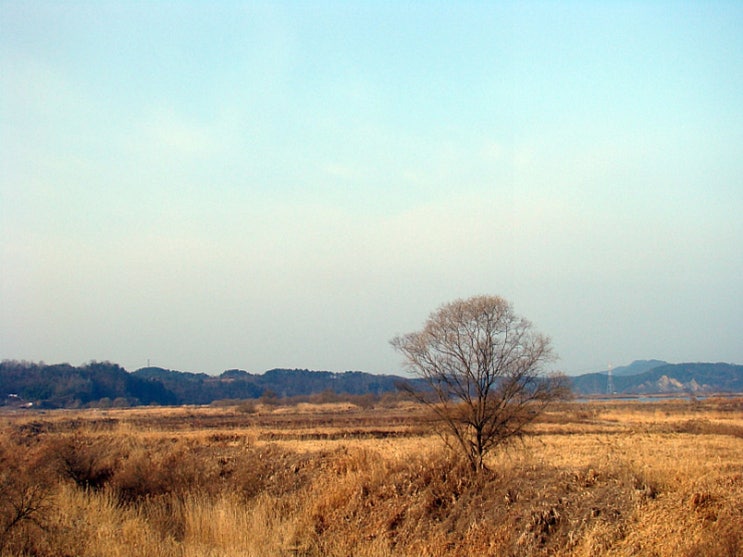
(484, 369)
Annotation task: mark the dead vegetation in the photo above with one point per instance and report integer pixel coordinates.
(611, 478)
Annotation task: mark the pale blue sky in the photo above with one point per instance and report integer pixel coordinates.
(291, 184)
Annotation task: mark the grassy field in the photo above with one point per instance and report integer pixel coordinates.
(345, 479)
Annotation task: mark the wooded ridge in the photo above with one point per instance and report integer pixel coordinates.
(101, 384)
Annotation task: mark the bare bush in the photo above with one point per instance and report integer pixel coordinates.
(87, 461)
(24, 498)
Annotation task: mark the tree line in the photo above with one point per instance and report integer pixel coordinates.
(101, 384)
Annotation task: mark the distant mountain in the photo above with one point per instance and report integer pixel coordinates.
(665, 378)
(637, 367)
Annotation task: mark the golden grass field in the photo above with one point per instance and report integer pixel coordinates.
(600, 478)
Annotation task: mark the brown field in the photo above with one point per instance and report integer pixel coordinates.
(343, 479)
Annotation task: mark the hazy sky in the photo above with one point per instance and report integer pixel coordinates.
(215, 185)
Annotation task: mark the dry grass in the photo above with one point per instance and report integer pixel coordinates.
(336, 479)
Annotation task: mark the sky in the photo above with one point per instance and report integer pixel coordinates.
(215, 185)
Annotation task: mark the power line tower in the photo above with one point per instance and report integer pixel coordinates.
(609, 382)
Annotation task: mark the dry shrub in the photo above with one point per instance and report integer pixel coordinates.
(434, 505)
(725, 404)
(248, 407)
(717, 514)
(268, 469)
(706, 427)
(23, 512)
(88, 461)
(25, 493)
(393, 505)
(149, 472)
(724, 537)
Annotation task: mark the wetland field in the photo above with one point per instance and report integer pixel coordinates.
(363, 477)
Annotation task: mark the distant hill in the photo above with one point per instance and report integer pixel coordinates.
(199, 388)
(65, 386)
(104, 384)
(698, 378)
(107, 384)
(637, 367)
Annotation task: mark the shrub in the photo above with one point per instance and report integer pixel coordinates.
(24, 498)
(87, 461)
